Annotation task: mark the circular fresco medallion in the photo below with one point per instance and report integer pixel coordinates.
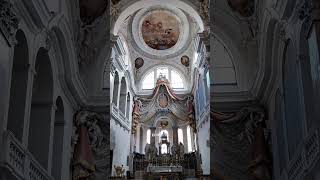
(160, 30)
(185, 61)
(138, 63)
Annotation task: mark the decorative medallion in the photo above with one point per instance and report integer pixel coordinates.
(185, 61)
(138, 63)
(160, 30)
(163, 100)
(164, 124)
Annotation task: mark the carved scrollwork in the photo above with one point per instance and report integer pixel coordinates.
(8, 21)
(90, 140)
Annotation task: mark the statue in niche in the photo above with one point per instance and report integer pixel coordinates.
(136, 114)
(190, 108)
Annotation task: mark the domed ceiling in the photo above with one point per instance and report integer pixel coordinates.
(160, 34)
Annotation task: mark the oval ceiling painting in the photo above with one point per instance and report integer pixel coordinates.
(160, 30)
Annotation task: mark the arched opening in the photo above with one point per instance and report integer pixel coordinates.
(58, 139)
(123, 95)
(19, 84)
(41, 109)
(115, 89)
(128, 106)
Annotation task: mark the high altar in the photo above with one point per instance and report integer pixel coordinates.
(162, 115)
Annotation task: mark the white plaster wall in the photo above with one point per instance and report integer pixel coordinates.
(121, 148)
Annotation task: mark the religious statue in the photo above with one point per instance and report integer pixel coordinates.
(119, 170)
(136, 114)
(190, 108)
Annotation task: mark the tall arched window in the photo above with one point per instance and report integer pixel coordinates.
(19, 84)
(175, 79)
(149, 81)
(115, 89)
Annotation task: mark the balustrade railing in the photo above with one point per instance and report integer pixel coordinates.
(188, 161)
(307, 155)
(20, 162)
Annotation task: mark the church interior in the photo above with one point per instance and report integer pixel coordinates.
(159, 89)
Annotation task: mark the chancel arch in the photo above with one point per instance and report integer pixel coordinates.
(19, 84)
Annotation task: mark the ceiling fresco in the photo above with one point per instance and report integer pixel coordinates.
(160, 30)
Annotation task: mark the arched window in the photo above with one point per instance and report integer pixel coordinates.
(180, 136)
(175, 79)
(149, 81)
(148, 136)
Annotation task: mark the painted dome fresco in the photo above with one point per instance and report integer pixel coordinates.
(160, 30)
